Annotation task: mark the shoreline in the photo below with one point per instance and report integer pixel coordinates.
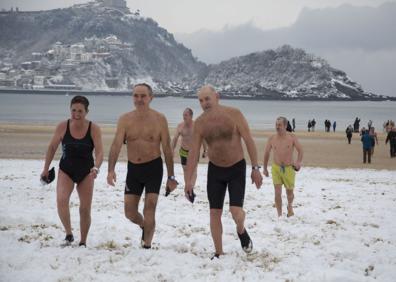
(186, 95)
(321, 149)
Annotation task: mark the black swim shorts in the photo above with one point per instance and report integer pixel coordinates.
(220, 177)
(144, 176)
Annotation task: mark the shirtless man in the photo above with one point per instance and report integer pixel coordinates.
(283, 166)
(145, 130)
(185, 130)
(223, 128)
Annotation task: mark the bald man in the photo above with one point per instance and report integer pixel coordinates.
(223, 128)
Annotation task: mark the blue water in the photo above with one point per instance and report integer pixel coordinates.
(45, 109)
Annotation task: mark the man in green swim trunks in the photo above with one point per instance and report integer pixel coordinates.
(283, 169)
(185, 130)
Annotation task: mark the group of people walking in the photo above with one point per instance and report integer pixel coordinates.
(327, 124)
(311, 125)
(219, 129)
(369, 138)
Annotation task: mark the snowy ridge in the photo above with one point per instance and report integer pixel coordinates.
(285, 72)
(136, 46)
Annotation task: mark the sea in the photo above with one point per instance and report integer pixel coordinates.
(260, 114)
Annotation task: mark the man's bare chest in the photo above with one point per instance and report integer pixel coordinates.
(142, 131)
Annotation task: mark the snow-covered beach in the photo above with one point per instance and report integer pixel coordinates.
(344, 230)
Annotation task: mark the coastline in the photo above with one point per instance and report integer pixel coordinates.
(321, 149)
(187, 95)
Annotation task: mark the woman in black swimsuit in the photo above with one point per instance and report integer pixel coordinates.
(79, 138)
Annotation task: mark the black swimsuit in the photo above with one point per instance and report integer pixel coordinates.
(77, 159)
(220, 177)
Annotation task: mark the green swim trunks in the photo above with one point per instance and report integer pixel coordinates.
(183, 156)
(283, 175)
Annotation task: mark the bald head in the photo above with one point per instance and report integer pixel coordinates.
(208, 97)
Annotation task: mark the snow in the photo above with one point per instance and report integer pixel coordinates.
(343, 230)
(316, 64)
(143, 79)
(165, 41)
(333, 81)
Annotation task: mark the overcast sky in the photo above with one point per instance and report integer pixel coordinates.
(185, 16)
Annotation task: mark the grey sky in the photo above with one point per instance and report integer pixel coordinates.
(179, 16)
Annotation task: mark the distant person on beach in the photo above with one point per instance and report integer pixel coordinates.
(327, 125)
(294, 124)
(289, 127)
(349, 132)
(309, 125)
(391, 138)
(79, 138)
(283, 166)
(313, 123)
(369, 124)
(146, 131)
(356, 125)
(374, 139)
(223, 129)
(367, 142)
(389, 125)
(334, 126)
(185, 130)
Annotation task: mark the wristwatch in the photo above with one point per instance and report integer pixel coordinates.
(256, 167)
(172, 177)
(96, 169)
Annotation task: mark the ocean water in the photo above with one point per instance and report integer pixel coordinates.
(49, 109)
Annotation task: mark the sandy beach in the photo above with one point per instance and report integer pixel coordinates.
(329, 150)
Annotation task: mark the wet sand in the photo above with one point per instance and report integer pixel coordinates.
(321, 149)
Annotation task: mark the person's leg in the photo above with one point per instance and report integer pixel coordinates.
(216, 189)
(85, 192)
(64, 188)
(184, 173)
(236, 191)
(216, 229)
(278, 198)
(393, 149)
(364, 155)
(238, 215)
(132, 194)
(150, 205)
(369, 155)
(290, 198)
(131, 206)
